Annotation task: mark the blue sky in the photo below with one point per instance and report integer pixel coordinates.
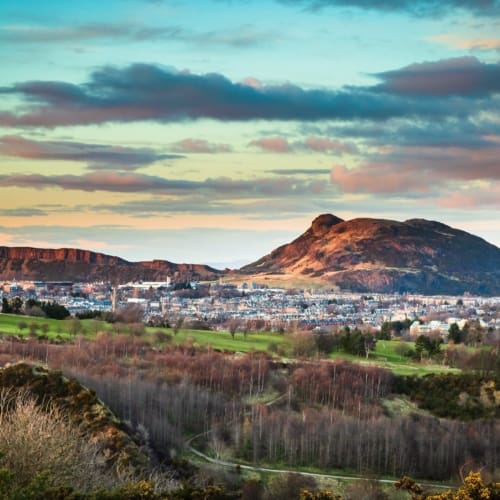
(213, 131)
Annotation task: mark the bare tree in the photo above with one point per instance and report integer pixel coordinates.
(233, 326)
(179, 321)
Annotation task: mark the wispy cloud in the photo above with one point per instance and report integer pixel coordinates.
(467, 133)
(97, 156)
(413, 7)
(473, 44)
(22, 212)
(278, 144)
(141, 183)
(299, 171)
(470, 198)
(199, 146)
(274, 144)
(241, 37)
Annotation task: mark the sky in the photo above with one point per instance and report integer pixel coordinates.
(213, 131)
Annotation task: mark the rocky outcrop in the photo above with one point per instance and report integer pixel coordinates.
(387, 256)
(73, 264)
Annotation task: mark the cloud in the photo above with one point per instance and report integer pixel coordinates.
(89, 31)
(417, 170)
(272, 208)
(486, 196)
(300, 171)
(121, 182)
(243, 36)
(468, 133)
(379, 179)
(144, 92)
(22, 212)
(97, 156)
(457, 76)
(199, 146)
(277, 144)
(273, 144)
(326, 145)
(413, 7)
(472, 44)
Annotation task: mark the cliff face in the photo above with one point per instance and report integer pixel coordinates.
(59, 254)
(83, 265)
(386, 256)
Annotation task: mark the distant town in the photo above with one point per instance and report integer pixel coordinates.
(253, 307)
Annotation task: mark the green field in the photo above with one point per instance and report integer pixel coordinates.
(222, 339)
(385, 355)
(9, 324)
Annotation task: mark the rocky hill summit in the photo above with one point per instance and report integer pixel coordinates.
(378, 255)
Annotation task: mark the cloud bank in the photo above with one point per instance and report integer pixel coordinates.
(145, 92)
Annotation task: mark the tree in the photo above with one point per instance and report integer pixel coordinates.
(6, 308)
(22, 325)
(455, 334)
(233, 326)
(385, 331)
(179, 321)
(16, 305)
(54, 310)
(74, 326)
(302, 344)
(33, 327)
(369, 343)
(403, 349)
(131, 313)
(326, 342)
(393, 328)
(473, 333)
(425, 345)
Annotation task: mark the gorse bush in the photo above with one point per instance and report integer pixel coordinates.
(42, 442)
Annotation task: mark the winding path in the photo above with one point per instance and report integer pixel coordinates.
(255, 468)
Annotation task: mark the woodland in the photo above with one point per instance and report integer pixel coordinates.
(175, 405)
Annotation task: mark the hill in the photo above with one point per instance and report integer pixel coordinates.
(378, 255)
(83, 265)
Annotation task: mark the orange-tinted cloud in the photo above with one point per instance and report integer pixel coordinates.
(274, 144)
(473, 44)
(410, 170)
(199, 146)
(277, 144)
